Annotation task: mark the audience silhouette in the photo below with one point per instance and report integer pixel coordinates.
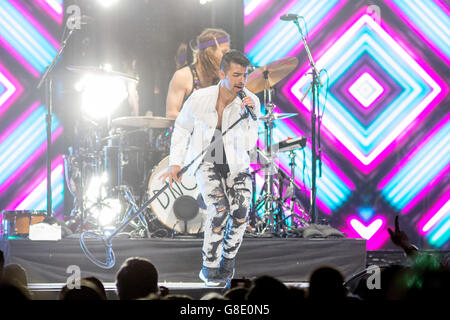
(137, 278)
(425, 278)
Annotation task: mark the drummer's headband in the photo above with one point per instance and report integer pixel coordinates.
(213, 42)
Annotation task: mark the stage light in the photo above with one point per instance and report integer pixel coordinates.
(108, 212)
(108, 3)
(101, 95)
(96, 189)
(99, 204)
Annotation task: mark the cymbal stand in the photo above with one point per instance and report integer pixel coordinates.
(92, 143)
(304, 218)
(85, 211)
(125, 193)
(271, 203)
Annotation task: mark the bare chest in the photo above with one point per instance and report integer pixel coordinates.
(219, 108)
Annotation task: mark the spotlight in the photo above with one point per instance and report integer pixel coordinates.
(101, 94)
(96, 188)
(109, 211)
(102, 208)
(107, 3)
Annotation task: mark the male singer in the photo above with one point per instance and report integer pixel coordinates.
(223, 174)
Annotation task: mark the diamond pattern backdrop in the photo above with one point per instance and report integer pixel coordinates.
(28, 33)
(385, 118)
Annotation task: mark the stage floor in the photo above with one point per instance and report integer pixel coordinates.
(179, 260)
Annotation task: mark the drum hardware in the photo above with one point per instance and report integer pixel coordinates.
(80, 167)
(120, 155)
(284, 207)
(124, 193)
(159, 130)
(97, 185)
(290, 200)
(276, 71)
(150, 122)
(103, 141)
(263, 79)
(290, 144)
(139, 224)
(107, 239)
(277, 116)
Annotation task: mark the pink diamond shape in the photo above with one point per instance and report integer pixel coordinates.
(366, 89)
(12, 87)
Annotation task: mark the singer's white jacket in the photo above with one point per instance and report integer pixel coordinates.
(196, 124)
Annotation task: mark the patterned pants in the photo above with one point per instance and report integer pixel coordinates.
(227, 200)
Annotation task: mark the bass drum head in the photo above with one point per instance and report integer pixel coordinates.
(163, 207)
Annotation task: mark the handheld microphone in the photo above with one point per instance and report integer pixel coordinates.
(249, 110)
(290, 17)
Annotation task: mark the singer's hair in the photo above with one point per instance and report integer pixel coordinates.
(233, 56)
(207, 62)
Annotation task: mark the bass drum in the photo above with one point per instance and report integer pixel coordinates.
(180, 208)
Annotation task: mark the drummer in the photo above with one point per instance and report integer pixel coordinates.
(129, 107)
(212, 44)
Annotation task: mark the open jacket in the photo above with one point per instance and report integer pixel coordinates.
(196, 125)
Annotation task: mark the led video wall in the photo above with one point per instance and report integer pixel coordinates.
(385, 132)
(29, 40)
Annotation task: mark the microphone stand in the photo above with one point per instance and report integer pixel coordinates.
(315, 99)
(47, 78)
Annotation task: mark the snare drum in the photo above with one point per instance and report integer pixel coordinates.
(180, 208)
(16, 224)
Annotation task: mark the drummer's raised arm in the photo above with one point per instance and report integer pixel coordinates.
(176, 93)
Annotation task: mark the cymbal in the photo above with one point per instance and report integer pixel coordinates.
(102, 72)
(143, 122)
(277, 71)
(277, 116)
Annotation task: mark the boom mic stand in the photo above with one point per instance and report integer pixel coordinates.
(47, 78)
(315, 99)
(110, 256)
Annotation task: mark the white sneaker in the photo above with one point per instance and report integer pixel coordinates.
(208, 283)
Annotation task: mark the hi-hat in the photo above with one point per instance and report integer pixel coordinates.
(143, 122)
(102, 72)
(277, 116)
(276, 71)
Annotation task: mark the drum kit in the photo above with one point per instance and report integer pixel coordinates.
(272, 209)
(114, 171)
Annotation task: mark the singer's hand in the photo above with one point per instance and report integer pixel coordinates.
(172, 174)
(248, 102)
